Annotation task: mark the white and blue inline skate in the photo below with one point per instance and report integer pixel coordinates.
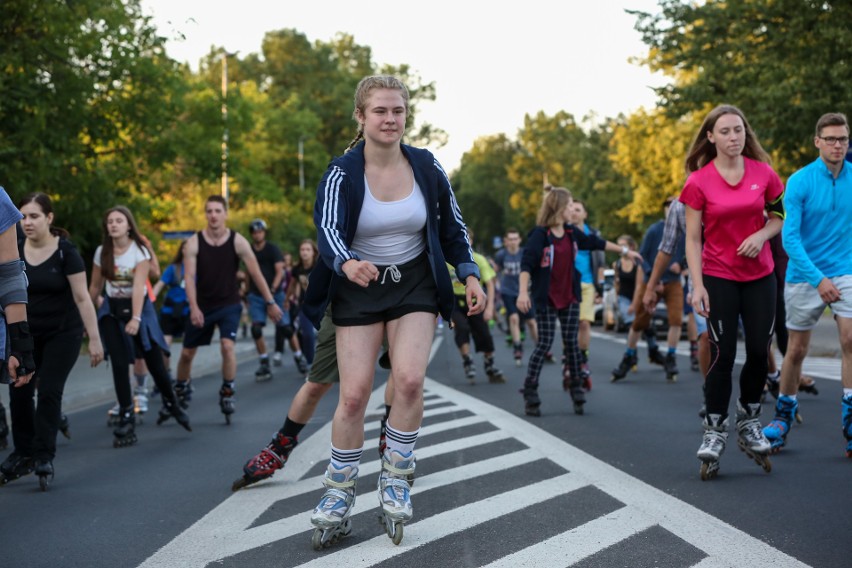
(395, 492)
(331, 516)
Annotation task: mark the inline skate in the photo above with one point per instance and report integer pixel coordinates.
(750, 438)
(15, 466)
(786, 408)
(125, 432)
(267, 462)
(518, 353)
(712, 445)
(301, 364)
(171, 409)
(670, 366)
(183, 392)
(655, 357)
(846, 416)
(44, 470)
(64, 426)
(395, 492)
(140, 402)
(226, 400)
(532, 403)
(4, 428)
(331, 516)
(495, 375)
(578, 397)
(263, 373)
(629, 362)
(469, 368)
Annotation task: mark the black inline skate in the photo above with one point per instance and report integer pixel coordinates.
(655, 357)
(263, 373)
(183, 391)
(226, 400)
(14, 467)
(532, 403)
(171, 409)
(628, 363)
(469, 368)
(64, 426)
(495, 375)
(4, 428)
(267, 462)
(671, 367)
(125, 433)
(44, 471)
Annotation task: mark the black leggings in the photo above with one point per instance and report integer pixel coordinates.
(731, 301)
(113, 337)
(34, 427)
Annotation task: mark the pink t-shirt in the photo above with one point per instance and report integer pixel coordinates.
(730, 214)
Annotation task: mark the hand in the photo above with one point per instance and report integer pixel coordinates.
(12, 367)
(132, 327)
(676, 268)
(196, 316)
(631, 309)
(649, 300)
(96, 351)
(828, 291)
(475, 295)
(635, 256)
(274, 312)
(360, 272)
(752, 246)
(700, 301)
(523, 302)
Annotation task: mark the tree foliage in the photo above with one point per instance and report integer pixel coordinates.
(783, 62)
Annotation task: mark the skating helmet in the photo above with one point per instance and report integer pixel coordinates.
(257, 225)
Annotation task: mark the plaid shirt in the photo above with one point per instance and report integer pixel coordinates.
(674, 228)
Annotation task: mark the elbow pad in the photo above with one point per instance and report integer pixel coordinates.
(777, 207)
(13, 283)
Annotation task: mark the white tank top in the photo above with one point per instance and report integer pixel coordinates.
(391, 232)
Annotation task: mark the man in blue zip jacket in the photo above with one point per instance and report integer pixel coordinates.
(818, 202)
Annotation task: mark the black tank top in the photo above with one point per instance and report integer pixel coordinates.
(216, 274)
(627, 281)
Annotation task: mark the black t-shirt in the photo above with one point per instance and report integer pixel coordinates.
(266, 258)
(51, 307)
(301, 274)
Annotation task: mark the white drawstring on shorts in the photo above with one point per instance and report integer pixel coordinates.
(396, 276)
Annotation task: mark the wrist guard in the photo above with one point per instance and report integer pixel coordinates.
(21, 346)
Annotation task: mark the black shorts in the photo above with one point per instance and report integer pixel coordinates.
(173, 324)
(401, 289)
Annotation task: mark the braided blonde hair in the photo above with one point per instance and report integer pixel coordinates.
(362, 93)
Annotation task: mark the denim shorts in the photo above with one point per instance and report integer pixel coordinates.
(257, 308)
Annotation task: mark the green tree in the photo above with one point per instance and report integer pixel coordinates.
(783, 62)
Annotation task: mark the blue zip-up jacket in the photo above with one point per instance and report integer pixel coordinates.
(651, 245)
(816, 231)
(537, 260)
(340, 196)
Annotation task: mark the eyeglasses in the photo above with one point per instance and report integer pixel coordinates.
(832, 140)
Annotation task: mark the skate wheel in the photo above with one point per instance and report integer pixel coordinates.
(709, 471)
(239, 484)
(766, 464)
(799, 419)
(578, 409)
(43, 482)
(672, 379)
(396, 537)
(316, 539)
(228, 419)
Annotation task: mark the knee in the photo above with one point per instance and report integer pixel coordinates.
(315, 391)
(186, 356)
(227, 348)
(354, 404)
(796, 351)
(256, 331)
(408, 386)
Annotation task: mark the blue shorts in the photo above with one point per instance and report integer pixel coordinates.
(510, 303)
(257, 309)
(227, 319)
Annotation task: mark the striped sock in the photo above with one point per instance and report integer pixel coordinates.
(342, 458)
(402, 442)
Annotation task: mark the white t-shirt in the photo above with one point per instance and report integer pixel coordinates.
(391, 232)
(125, 265)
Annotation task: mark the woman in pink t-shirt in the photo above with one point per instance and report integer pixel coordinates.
(730, 185)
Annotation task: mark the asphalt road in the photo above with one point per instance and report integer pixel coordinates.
(618, 486)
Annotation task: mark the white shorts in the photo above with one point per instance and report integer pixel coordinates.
(804, 305)
(700, 324)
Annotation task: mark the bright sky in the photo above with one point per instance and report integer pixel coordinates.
(492, 61)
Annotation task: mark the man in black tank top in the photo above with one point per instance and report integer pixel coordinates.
(211, 261)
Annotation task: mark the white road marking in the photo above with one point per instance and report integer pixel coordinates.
(227, 529)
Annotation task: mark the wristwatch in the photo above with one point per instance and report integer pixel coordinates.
(270, 302)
